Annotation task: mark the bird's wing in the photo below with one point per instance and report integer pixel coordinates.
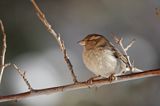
(119, 55)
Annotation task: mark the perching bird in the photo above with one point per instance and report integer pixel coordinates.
(101, 57)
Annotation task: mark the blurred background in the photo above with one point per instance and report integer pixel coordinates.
(35, 51)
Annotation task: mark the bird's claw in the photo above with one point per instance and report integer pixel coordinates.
(112, 78)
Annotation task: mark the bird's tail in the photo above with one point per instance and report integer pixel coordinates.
(136, 70)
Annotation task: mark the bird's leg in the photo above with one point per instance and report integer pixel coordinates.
(93, 78)
(112, 78)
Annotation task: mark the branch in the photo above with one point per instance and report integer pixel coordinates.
(79, 85)
(119, 42)
(130, 45)
(43, 19)
(3, 51)
(22, 74)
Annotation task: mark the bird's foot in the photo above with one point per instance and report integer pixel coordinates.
(90, 81)
(112, 78)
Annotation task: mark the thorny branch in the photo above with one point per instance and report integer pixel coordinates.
(3, 51)
(79, 85)
(58, 38)
(23, 75)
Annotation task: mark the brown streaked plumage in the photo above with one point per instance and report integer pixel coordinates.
(101, 57)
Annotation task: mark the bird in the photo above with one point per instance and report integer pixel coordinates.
(101, 57)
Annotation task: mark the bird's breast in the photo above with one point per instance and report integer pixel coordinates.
(100, 62)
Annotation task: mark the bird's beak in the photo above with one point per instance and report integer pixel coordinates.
(81, 42)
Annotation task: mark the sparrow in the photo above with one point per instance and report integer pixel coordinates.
(101, 57)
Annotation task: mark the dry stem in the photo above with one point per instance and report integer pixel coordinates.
(119, 42)
(130, 45)
(78, 85)
(58, 38)
(3, 51)
(23, 75)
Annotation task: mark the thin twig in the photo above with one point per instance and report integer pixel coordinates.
(79, 85)
(130, 45)
(3, 50)
(43, 19)
(22, 74)
(127, 56)
(119, 42)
